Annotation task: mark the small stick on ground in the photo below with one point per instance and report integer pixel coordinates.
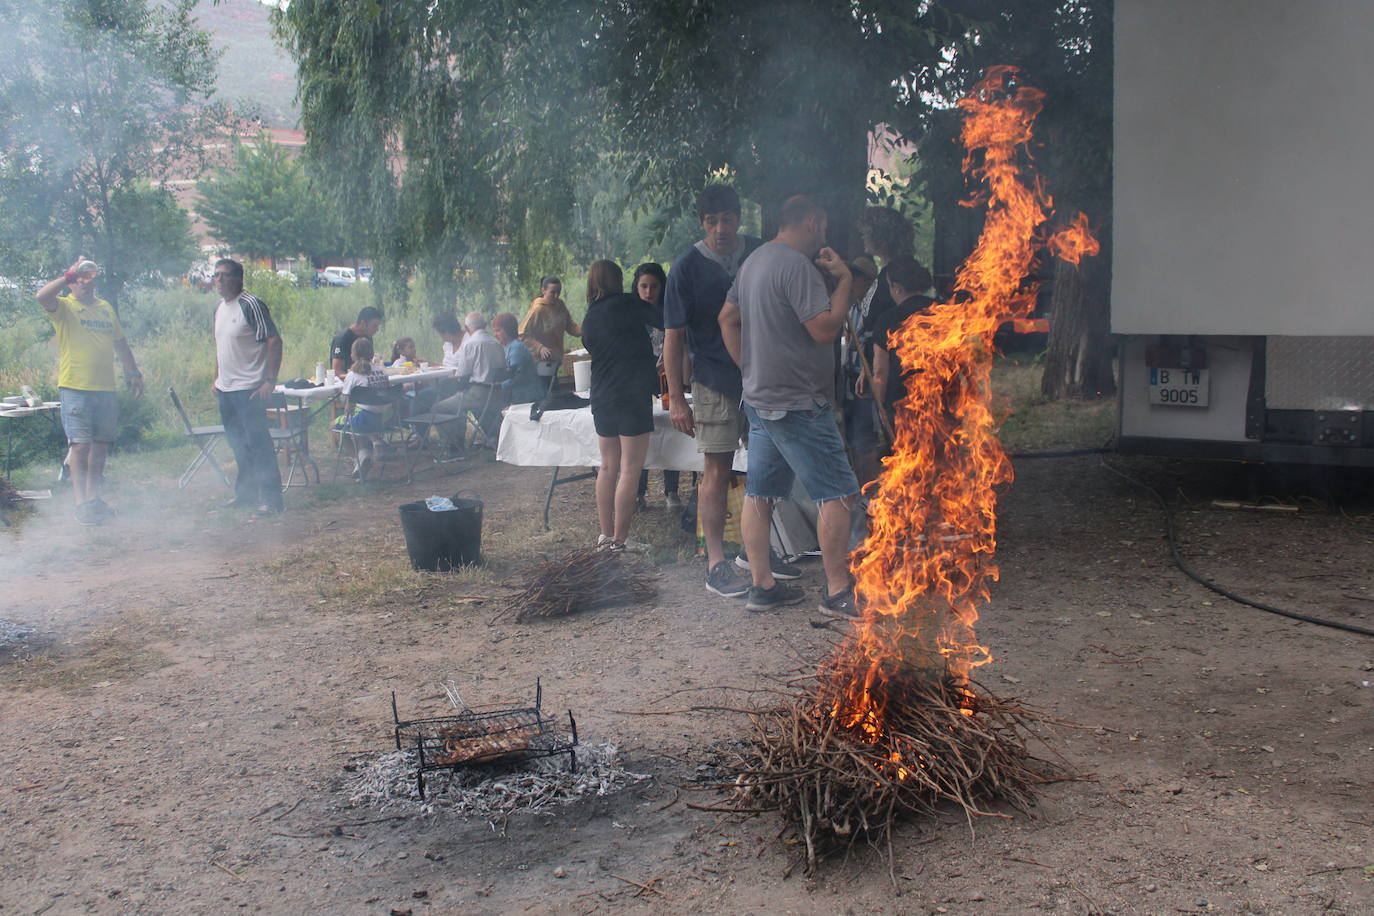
(643, 887)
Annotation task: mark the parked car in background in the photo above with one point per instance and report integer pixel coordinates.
(365, 274)
(289, 275)
(338, 276)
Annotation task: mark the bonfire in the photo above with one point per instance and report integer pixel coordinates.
(893, 723)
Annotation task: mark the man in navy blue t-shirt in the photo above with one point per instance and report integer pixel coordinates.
(697, 284)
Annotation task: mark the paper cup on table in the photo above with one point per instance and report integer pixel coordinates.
(582, 375)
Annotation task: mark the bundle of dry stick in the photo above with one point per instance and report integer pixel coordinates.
(940, 746)
(581, 581)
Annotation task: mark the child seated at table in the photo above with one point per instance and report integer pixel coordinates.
(403, 351)
(366, 422)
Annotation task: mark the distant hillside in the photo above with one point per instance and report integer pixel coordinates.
(253, 69)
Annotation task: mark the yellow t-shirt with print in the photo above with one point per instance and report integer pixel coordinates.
(86, 336)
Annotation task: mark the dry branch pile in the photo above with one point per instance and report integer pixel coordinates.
(581, 581)
(940, 746)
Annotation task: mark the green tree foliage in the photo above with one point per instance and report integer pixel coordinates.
(264, 206)
(446, 126)
(437, 128)
(98, 98)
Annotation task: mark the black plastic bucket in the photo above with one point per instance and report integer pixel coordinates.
(440, 541)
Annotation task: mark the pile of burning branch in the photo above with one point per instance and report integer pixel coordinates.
(942, 746)
(581, 581)
(894, 724)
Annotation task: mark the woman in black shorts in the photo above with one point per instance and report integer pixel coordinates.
(624, 383)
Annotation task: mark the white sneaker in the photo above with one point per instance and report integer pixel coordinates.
(605, 543)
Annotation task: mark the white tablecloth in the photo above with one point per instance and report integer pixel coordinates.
(333, 388)
(567, 439)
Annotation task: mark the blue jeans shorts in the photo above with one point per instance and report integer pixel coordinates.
(366, 422)
(89, 416)
(803, 444)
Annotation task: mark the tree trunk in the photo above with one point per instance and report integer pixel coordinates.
(1078, 357)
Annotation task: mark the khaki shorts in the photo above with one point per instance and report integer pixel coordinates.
(719, 423)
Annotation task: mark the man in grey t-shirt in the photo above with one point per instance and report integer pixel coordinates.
(779, 325)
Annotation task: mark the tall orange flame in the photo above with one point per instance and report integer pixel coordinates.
(925, 567)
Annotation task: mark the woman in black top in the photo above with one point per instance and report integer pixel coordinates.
(624, 383)
(649, 283)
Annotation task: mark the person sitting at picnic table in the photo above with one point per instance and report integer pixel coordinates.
(523, 386)
(649, 283)
(366, 423)
(418, 398)
(402, 351)
(341, 348)
(481, 367)
(624, 383)
(545, 325)
(450, 331)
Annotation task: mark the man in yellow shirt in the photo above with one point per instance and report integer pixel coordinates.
(88, 338)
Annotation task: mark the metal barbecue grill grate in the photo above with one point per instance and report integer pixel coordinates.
(474, 738)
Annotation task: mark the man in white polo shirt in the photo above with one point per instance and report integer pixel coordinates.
(247, 357)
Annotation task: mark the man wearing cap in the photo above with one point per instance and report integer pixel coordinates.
(247, 357)
(88, 339)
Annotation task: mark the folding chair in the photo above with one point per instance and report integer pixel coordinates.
(358, 397)
(291, 437)
(205, 438)
(418, 430)
(494, 397)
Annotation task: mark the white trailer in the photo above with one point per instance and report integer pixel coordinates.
(1243, 233)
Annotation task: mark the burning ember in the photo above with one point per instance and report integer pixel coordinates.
(893, 723)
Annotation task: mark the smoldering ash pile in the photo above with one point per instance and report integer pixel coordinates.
(893, 725)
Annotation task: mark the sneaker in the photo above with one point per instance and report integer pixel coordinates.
(102, 509)
(672, 503)
(605, 542)
(85, 515)
(765, 599)
(631, 546)
(840, 605)
(781, 568)
(724, 581)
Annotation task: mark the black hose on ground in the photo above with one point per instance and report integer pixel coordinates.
(1239, 599)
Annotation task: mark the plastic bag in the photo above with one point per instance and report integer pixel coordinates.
(440, 504)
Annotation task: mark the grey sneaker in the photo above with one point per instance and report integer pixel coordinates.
(86, 514)
(841, 605)
(765, 599)
(724, 581)
(781, 568)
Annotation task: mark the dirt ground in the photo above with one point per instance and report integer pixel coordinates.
(173, 736)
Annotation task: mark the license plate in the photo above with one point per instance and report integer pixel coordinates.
(1179, 387)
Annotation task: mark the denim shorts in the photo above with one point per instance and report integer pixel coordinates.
(89, 416)
(803, 444)
(366, 422)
